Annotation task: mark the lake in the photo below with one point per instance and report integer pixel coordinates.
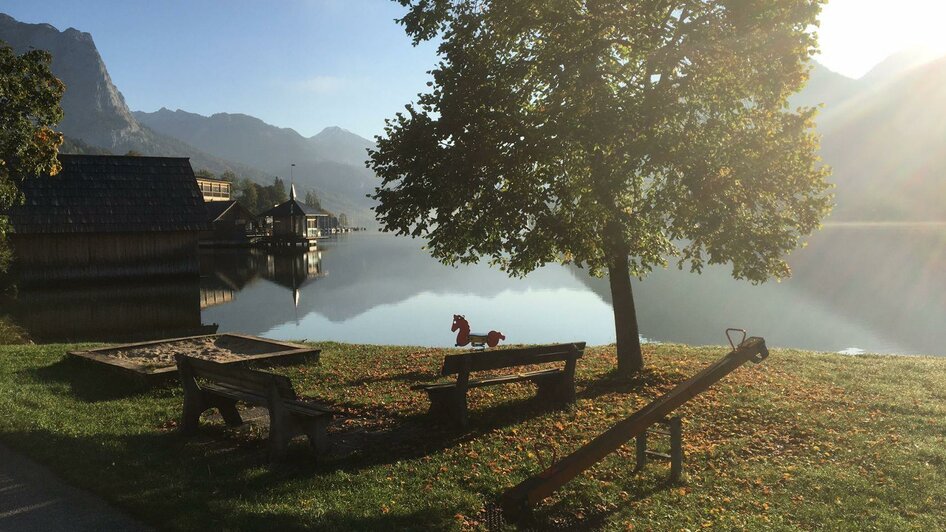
(859, 288)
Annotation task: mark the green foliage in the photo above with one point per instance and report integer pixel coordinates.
(312, 199)
(204, 173)
(610, 134)
(255, 197)
(29, 109)
(548, 121)
(80, 147)
(279, 191)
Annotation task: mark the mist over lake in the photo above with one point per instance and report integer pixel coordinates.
(869, 288)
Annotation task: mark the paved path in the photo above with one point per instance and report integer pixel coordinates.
(32, 498)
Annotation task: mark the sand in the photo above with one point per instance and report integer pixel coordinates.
(162, 355)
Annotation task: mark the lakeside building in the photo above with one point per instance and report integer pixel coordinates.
(214, 189)
(231, 223)
(109, 216)
(293, 221)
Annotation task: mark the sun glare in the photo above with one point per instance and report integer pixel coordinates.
(855, 35)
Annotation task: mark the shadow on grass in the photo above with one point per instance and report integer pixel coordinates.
(87, 382)
(613, 382)
(421, 520)
(203, 482)
(409, 376)
(564, 516)
(354, 449)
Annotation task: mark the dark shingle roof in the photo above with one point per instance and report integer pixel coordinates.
(216, 208)
(109, 193)
(292, 207)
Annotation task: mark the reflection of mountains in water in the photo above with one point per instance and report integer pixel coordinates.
(362, 272)
(880, 286)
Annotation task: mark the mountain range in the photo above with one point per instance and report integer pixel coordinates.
(332, 162)
(882, 134)
(97, 120)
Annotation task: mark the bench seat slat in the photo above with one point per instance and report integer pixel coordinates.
(507, 358)
(243, 378)
(490, 381)
(234, 393)
(299, 407)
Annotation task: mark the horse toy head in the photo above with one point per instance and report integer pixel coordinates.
(459, 322)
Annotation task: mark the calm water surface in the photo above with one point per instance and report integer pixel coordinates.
(856, 288)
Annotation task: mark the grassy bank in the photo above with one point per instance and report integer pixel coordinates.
(803, 440)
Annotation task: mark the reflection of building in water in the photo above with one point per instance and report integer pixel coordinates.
(114, 312)
(294, 270)
(210, 297)
(223, 273)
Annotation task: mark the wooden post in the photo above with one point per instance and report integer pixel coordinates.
(194, 401)
(641, 451)
(459, 406)
(228, 410)
(519, 498)
(567, 389)
(676, 449)
(279, 430)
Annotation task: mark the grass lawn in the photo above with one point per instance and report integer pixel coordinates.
(802, 440)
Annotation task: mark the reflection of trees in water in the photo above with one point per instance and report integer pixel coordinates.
(151, 308)
(365, 271)
(867, 287)
(886, 281)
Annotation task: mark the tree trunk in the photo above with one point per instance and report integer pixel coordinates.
(630, 358)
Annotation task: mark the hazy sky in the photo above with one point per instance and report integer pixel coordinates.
(308, 64)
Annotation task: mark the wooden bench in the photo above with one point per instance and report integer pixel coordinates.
(556, 386)
(210, 385)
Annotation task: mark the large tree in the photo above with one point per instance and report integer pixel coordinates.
(29, 109)
(613, 134)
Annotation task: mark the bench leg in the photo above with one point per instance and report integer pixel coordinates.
(315, 430)
(459, 408)
(194, 405)
(279, 435)
(558, 390)
(449, 404)
(228, 411)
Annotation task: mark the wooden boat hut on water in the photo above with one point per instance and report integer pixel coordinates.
(109, 216)
(293, 222)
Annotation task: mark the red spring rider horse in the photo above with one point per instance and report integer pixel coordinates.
(476, 339)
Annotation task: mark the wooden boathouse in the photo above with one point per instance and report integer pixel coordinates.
(231, 224)
(106, 216)
(293, 222)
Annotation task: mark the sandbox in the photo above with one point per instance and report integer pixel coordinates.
(154, 361)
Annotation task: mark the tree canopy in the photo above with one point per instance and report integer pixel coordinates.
(254, 197)
(612, 134)
(29, 109)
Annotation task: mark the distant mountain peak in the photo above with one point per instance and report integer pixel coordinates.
(901, 63)
(334, 130)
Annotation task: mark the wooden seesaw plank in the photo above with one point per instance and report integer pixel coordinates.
(518, 499)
